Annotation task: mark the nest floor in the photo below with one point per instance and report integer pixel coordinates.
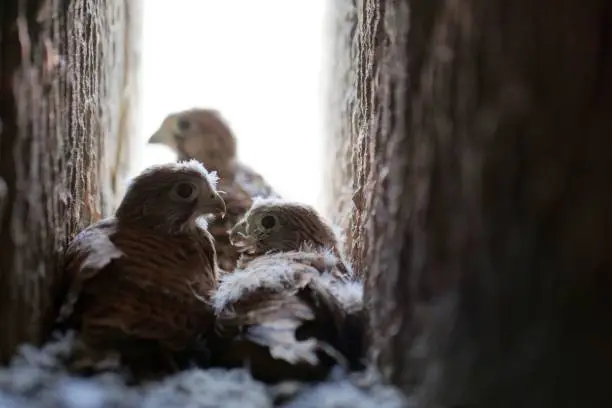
(36, 378)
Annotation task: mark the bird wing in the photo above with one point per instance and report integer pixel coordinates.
(271, 320)
(254, 183)
(263, 305)
(284, 318)
(90, 252)
(153, 291)
(323, 261)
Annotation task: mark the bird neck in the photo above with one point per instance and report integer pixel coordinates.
(158, 223)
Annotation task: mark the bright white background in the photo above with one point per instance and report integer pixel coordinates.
(259, 63)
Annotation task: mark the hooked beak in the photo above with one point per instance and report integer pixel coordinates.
(237, 235)
(213, 205)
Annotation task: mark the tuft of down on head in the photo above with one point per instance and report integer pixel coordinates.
(274, 224)
(201, 134)
(171, 196)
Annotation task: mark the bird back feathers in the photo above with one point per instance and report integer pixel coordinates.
(142, 297)
(284, 315)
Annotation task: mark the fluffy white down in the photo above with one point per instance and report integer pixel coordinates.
(349, 292)
(193, 165)
(36, 378)
(275, 272)
(211, 176)
(100, 249)
(278, 271)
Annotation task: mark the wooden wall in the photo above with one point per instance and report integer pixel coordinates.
(481, 169)
(67, 111)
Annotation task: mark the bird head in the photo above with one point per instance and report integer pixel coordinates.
(274, 224)
(200, 134)
(171, 196)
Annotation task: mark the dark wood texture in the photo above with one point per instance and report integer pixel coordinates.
(66, 110)
(482, 170)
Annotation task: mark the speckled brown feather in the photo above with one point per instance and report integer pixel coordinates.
(138, 278)
(210, 140)
(279, 312)
(279, 318)
(253, 329)
(142, 294)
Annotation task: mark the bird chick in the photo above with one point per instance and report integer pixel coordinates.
(135, 278)
(274, 224)
(286, 320)
(203, 134)
(291, 310)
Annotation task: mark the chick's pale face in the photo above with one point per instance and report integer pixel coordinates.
(172, 196)
(283, 228)
(268, 228)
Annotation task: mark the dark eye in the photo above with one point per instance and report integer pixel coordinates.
(268, 222)
(185, 190)
(183, 124)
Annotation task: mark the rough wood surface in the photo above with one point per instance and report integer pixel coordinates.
(340, 80)
(483, 197)
(65, 85)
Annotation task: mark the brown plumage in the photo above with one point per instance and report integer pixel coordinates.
(291, 311)
(286, 319)
(202, 134)
(134, 276)
(275, 224)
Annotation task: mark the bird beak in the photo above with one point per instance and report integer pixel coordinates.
(157, 138)
(163, 135)
(237, 235)
(163, 138)
(215, 205)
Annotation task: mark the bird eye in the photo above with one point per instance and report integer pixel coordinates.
(268, 222)
(185, 191)
(183, 124)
